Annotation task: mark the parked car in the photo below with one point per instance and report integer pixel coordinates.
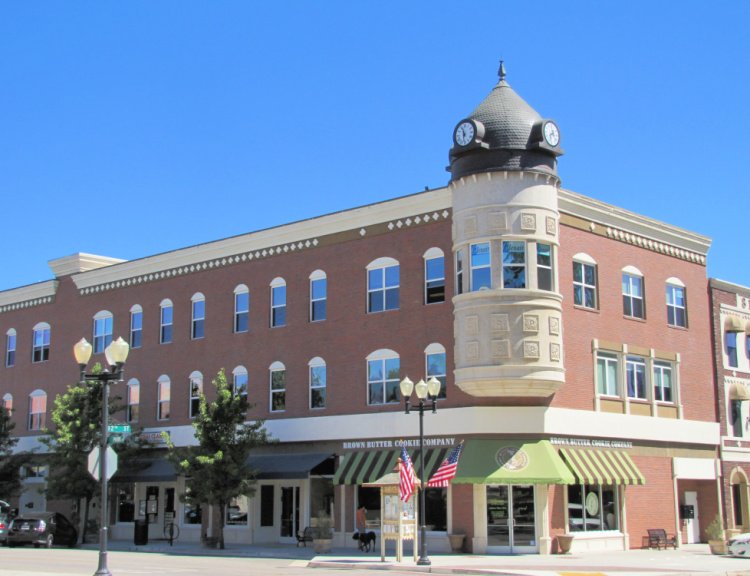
(5, 520)
(41, 529)
(740, 545)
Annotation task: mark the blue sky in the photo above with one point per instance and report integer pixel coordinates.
(133, 128)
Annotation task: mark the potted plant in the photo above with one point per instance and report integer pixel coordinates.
(715, 533)
(564, 543)
(457, 542)
(323, 534)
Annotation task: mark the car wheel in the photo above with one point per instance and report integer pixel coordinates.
(50, 540)
(11, 544)
(73, 542)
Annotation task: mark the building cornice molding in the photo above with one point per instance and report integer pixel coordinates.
(28, 296)
(729, 287)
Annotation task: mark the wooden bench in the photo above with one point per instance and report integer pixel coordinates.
(658, 538)
(305, 536)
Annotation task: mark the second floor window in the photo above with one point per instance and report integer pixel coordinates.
(481, 272)
(37, 410)
(136, 327)
(134, 399)
(278, 387)
(198, 323)
(676, 308)
(635, 372)
(731, 344)
(544, 277)
(40, 343)
(318, 296)
(435, 362)
(102, 331)
(165, 329)
(514, 264)
(434, 276)
(239, 384)
(459, 272)
(383, 380)
(278, 303)
(317, 369)
(164, 398)
(241, 309)
(662, 382)
(632, 296)
(196, 389)
(607, 374)
(10, 348)
(383, 285)
(584, 284)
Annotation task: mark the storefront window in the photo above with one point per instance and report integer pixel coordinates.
(125, 503)
(237, 511)
(191, 511)
(436, 506)
(592, 508)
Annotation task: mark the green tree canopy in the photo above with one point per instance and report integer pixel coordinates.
(10, 463)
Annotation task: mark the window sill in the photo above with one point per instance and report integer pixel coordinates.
(586, 309)
(675, 327)
(633, 318)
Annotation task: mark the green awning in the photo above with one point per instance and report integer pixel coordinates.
(364, 467)
(602, 466)
(511, 462)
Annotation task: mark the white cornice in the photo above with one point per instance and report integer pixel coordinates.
(730, 287)
(80, 262)
(28, 296)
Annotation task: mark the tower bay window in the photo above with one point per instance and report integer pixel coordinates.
(481, 272)
(514, 264)
(544, 276)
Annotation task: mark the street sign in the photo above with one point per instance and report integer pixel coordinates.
(93, 464)
(119, 429)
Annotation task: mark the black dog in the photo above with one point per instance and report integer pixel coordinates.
(366, 540)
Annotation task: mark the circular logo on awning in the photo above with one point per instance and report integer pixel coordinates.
(512, 458)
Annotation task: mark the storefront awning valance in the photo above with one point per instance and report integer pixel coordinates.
(280, 466)
(734, 324)
(739, 391)
(511, 462)
(602, 466)
(365, 467)
(152, 470)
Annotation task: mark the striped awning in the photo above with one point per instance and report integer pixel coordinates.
(364, 467)
(602, 466)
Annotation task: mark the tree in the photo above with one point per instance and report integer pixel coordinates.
(10, 463)
(216, 469)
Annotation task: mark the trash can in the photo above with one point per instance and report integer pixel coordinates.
(140, 533)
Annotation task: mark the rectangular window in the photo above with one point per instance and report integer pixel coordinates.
(134, 399)
(10, 350)
(436, 368)
(736, 415)
(199, 319)
(383, 381)
(318, 299)
(196, 389)
(166, 325)
(278, 390)
(731, 342)
(102, 333)
(606, 374)
(584, 285)
(592, 508)
(164, 398)
(635, 372)
(266, 505)
(481, 271)
(40, 348)
(37, 412)
(136, 329)
(383, 286)
(278, 306)
(240, 384)
(459, 272)
(737, 491)
(318, 386)
(632, 296)
(544, 277)
(514, 264)
(663, 382)
(241, 312)
(434, 280)
(237, 511)
(125, 503)
(676, 309)
(191, 511)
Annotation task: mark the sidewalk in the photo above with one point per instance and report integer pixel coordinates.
(693, 560)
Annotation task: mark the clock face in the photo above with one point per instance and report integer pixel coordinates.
(551, 133)
(464, 133)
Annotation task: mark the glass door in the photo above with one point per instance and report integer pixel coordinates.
(289, 521)
(511, 526)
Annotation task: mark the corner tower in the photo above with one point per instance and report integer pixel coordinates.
(508, 307)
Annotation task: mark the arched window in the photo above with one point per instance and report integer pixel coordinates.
(584, 281)
(633, 304)
(136, 326)
(198, 323)
(134, 399)
(317, 371)
(10, 348)
(318, 296)
(196, 389)
(40, 342)
(277, 373)
(435, 365)
(383, 377)
(241, 308)
(383, 285)
(102, 330)
(676, 303)
(434, 276)
(239, 381)
(37, 410)
(165, 322)
(278, 302)
(8, 402)
(164, 394)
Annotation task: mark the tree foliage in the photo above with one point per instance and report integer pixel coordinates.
(10, 463)
(216, 469)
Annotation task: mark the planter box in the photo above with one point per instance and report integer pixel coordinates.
(457, 542)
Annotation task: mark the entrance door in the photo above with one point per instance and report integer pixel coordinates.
(511, 526)
(289, 520)
(692, 525)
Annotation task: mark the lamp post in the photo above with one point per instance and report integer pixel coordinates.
(116, 354)
(425, 391)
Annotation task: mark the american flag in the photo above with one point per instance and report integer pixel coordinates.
(443, 475)
(405, 476)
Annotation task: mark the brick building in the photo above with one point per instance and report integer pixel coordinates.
(570, 337)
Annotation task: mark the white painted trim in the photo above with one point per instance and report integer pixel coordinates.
(103, 314)
(136, 308)
(241, 289)
(11, 332)
(584, 258)
(197, 297)
(166, 303)
(694, 468)
(675, 282)
(382, 354)
(196, 375)
(434, 348)
(382, 262)
(277, 282)
(276, 366)
(317, 275)
(433, 252)
(315, 362)
(239, 370)
(632, 270)
(41, 326)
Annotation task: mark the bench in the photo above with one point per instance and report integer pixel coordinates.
(305, 536)
(658, 538)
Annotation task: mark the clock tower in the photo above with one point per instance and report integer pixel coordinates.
(507, 307)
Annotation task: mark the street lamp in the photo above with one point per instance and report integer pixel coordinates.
(425, 391)
(116, 354)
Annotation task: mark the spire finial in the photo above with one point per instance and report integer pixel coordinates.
(501, 71)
